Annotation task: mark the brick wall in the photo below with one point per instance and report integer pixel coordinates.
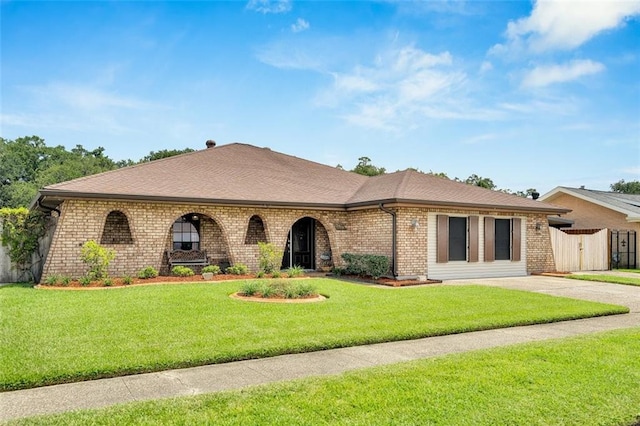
(224, 234)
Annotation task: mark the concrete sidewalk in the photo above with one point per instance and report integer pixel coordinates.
(213, 378)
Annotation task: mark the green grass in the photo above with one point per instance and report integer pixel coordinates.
(588, 380)
(51, 336)
(613, 279)
(635, 271)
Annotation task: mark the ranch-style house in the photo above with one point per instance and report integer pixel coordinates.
(214, 205)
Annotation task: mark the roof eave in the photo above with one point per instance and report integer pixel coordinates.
(65, 195)
(392, 202)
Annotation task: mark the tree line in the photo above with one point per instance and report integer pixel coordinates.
(28, 164)
(365, 167)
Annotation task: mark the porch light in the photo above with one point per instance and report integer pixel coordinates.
(415, 223)
(194, 217)
(538, 226)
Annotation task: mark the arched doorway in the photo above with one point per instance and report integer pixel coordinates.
(307, 245)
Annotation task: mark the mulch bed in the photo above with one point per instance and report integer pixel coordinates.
(390, 282)
(118, 282)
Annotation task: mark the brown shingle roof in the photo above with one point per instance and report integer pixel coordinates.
(244, 174)
(410, 186)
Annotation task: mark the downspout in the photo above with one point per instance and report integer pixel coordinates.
(49, 209)
(393, 239)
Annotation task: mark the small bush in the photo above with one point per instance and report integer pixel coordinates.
(260, 274)
(182, 271)
(108, 282)
(51, 280)
(366, 264)
(295, 271)
(269, 258)
(65, 280)
(306, 289)
(338, 271)
(211, 269)
(276, 274)
(85, 281)
(127, 280)
(237, 269)
(278, 288)
(148, 272)
(97, 258)
(250, 288)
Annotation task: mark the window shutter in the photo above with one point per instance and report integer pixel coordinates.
(473, 238)
(442, 240)
(516, 239)
(489, 239)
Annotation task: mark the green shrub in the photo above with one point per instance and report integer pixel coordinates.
(278, 288)
(85, 281)
(295, 271)
(338, 271)
(269, 289)
(260, 274)
(97, 258)
(211, 269)
(276, 274)
(51, 280)
(108, 282)
(20, 232)
(250, 288)
(127, 280)
(65, 280)
(305, 289)
(237, 269)
(270, 257)
(148, 272)
(366, 264)
(182, 271)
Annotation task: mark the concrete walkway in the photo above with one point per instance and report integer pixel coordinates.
(213, 378)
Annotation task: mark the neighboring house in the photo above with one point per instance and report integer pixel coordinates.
(594, 210)
(224, 200)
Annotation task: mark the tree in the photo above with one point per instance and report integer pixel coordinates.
(480, 181)
(365, 167)
(165, 153)
(631, 187)
(27, 164)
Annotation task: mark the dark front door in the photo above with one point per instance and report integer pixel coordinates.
(300, 245)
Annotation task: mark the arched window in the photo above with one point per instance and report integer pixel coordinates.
(255, 231)
(186, 233)
(116, 229)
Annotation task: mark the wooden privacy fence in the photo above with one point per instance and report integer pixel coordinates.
(580, 252)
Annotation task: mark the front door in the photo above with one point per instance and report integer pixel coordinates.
(300, 245)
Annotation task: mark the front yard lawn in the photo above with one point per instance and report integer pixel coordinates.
(587, 380)
(613, 279)
(55, 336)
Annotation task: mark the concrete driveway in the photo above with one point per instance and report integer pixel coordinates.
(625, 295)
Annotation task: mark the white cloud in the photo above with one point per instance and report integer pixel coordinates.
(565, 25)
(545, 75)
(486, 66)
(300, 25)
(397, 88)
(269, 6)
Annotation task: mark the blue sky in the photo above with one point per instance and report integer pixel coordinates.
(531, 95)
